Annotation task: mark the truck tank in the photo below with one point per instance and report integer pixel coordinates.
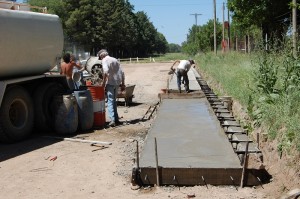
(30, 43)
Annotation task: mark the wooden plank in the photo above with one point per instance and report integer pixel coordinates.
(195, 176)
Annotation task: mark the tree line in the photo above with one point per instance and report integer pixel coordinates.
(257, 20)
(271, 17)
(200, 39)
(109, 24)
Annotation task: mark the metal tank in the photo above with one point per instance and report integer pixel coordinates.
(30, 43)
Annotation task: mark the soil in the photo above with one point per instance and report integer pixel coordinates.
(46, 167)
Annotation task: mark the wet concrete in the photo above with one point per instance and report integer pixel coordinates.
(188, 136)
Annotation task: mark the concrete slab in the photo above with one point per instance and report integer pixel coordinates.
(188, 136)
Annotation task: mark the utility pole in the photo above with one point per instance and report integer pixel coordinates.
(215, 28)
(295, 28)
(228, 28)
(223, 29)
(196, 17)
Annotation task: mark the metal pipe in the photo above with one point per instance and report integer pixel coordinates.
(204, 182)
(156, 159)
(137, 155)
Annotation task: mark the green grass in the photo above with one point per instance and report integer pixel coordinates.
(233, 71)
(172, 57)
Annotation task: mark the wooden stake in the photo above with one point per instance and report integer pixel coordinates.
(245, 164)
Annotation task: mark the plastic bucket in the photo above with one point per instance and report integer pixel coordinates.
(85, 109)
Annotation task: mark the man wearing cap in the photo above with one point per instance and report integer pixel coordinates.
(113, 77)
(182, 70)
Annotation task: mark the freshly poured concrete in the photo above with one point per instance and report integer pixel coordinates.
(188, 136)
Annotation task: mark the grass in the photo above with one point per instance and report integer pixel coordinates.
(171, 57)
(233, 71)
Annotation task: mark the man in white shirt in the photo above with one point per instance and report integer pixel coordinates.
(182, 70)
(113, 78)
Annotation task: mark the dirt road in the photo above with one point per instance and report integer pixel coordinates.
(43, 167)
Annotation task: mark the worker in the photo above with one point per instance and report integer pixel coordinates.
(182, 69)
(113, 78)
(67, 69)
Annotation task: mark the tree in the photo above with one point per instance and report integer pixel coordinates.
(109, 24)
(201, 38)
(160, 43)
(146, 34)
(269, 15)
(173, 48)
(205, 36)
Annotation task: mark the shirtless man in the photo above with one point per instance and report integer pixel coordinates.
(67, 69)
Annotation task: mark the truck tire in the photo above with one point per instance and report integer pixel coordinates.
(16, 115)
(43, 97)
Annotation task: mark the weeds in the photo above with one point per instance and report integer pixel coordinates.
(267, 84)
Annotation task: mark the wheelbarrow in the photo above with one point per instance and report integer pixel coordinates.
(127, 94)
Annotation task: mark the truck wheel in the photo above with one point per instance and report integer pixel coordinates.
(16, 115)
(43, 97)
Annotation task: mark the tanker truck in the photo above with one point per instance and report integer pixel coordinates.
(31, 44)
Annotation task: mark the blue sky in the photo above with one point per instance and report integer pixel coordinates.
(173, 18)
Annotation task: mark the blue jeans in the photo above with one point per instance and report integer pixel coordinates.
(112, 92)
(182, 73)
